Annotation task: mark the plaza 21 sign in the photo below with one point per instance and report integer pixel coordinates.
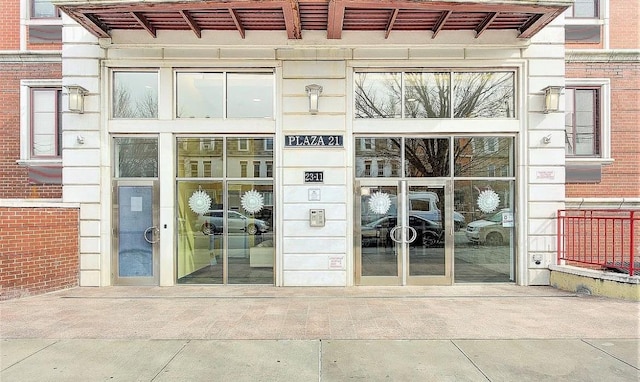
(313, 140)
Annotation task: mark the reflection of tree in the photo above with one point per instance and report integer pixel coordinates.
(137, 157)
(144, 107)
(483, 95)
(428, 95)
(376, 100)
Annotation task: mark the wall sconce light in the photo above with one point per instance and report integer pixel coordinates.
(552, 99)
(76, 98)
(313, 91)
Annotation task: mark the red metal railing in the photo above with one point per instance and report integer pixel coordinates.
(608, 239)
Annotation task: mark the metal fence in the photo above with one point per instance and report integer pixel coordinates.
(605, 239)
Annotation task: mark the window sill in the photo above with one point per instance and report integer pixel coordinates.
(578, 160)
(40, 162)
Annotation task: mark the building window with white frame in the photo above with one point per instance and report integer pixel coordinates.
(41, 121)
(45, 123)
(268, 144)
(44, 24)
(582, 121)
(135, 94)
(43, 9)
(583, 22)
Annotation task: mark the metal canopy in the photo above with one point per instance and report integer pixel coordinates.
(102, 17)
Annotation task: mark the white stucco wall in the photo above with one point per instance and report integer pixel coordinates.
(310, 255)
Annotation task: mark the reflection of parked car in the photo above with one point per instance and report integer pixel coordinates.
(489, 230)
(423, 204)
(212, 221)
(428, 233)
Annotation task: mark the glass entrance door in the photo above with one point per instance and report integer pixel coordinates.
(136, 234)
(403, 233)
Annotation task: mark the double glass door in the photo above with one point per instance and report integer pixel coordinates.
(404, 232)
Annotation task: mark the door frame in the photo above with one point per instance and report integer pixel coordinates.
(403, 278)
(155, 246)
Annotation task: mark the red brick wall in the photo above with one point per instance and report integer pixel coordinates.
(39, 250)
(10, 25)
(624, 27)
(13, 177)
(622, 178)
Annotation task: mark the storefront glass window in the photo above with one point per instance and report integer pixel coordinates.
(250, 95)
(225, 225)
(435, 95)
(200, 157)
(135, 95)
(135, 157)
(484, 250)
(378, 157)
(427, 157)
(241, 151)
(378, 95)
(199, 95)
(483, 95)
(483, 156)
(427, 95)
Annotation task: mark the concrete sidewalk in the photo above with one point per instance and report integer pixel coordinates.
(255, 333)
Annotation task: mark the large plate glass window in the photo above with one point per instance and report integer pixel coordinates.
(378, 157)
(199, 95)
(225, 210)
(477, 94)
(224, 95)
(483, 95)
(484, 194)
(136, 157)
(135, 94)
(479, 208)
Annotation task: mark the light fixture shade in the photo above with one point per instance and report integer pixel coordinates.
(313, 91)
(76, 95)
(552, 98)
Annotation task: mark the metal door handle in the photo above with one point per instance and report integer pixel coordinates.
(154, 233)
(392, 234)
(412, 235)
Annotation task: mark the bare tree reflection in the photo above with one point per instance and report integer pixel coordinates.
(137, 157)
(144, 107)
(429, 95)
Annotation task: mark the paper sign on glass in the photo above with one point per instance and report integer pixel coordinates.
(136, 204)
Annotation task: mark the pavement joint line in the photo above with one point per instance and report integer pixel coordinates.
(29, 355)
(320, 360)
(171, 359)
(470, 360)
(607, 353)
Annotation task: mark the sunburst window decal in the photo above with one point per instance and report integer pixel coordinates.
(379, 202)
(488, 201)
(199, 202)
(252, 201)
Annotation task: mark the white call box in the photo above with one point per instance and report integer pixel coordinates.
(316, 218)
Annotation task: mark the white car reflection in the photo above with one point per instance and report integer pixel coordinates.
(489, 231)
(212, 222)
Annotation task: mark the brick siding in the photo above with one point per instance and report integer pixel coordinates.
(14, 177)
(621, 178)
(39, 250)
